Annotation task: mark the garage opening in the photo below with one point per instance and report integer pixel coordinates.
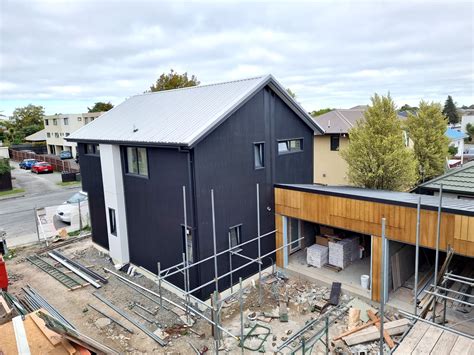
(330, 254)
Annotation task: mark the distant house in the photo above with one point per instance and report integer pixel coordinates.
(37, 137)
(457, 183)
(456, 139)
(329, 166)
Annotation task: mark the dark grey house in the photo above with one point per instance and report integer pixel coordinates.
(136, 158)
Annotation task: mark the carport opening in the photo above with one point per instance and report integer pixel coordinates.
(330, 254)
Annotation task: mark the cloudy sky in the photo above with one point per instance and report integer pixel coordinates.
(68, 55)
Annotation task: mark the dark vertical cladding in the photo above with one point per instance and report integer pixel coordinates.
(91, 175)
(224, 161)
(154, 208)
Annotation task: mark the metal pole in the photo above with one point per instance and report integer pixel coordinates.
(216, 320)
(382, 288)
(437, 248)
(186, 255)
(417, 254)
(214, 239)
(259, 249)
(241, 303)
(159, 284)
(230, 266)
(80, 217)
(327, 335)
(185, 283)
(36, 223)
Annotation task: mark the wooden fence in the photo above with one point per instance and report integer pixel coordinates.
(58, 165)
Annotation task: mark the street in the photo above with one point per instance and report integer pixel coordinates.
(17, 216)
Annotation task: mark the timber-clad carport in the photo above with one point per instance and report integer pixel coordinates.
(361, 211)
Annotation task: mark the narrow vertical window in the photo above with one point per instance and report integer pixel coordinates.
(335, 142)
(235, 235)
(66, 121)
(112, 222)
(188, 244)
(258, 150)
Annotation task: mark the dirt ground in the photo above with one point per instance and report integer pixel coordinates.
(73, 305)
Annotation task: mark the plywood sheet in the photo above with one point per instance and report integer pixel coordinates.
(412, 339)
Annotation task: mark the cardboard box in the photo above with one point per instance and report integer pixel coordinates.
(322, 240)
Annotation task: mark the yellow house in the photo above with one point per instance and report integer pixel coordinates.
(329, 167)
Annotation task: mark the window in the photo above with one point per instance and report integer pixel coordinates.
(235, 234)
(66, 121)
(79, 119)
(334, 142)
(294, 233)
(46, 122)
(48, 135)
(55, 122)
(62, 134)
(137, 162)
(112, 222)
(92, 149)
(188, 244)
(258, 152)
(67, 134)
(86, 120)
(56, 135)
(290, 146)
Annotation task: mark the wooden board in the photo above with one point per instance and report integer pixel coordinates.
(427, 343)
(463, 346)
(372, 333)
(53, 337)
(445, 343)
(412, 339)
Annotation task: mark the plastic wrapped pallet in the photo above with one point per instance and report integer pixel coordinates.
(355, 250)
(340, 253)
(317, 255)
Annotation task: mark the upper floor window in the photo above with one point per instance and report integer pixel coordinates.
(46, 122)
(92, 149)
(56, 135)
(86, 120)
(67, 134)
(66, 121)
(235, 234)
(137, 161)
(79, 119)
(48, 135)
(334, 142)
(290, 146)
(55, 122)
(258, 152)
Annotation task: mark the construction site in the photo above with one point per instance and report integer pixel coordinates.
(65, 295)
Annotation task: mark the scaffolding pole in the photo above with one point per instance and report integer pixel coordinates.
(186, 254)
(259, 250)
(438, 230)
(382, 288)
(214, 239)
(417, 254)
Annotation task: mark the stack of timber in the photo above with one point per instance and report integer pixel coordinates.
(340, 253)
(317, 255)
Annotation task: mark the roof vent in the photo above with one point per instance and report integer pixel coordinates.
(135, 129)
(329, 123)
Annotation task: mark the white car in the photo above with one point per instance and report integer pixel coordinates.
(70, 208)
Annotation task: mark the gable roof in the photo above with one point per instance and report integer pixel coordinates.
(340, 121)
(37, 136)
(454, 134)
(458, 180)
(181, 116)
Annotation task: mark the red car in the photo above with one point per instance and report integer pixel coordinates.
(42, 167)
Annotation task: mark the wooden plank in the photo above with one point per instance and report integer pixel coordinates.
(53, 337)
(4, 304)
(412, 339)
(356, 329)
(445, 343)
(428, 341)
(463, 346)
(372, 333)
(386, 336)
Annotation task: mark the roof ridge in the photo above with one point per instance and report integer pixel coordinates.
(201, 86)
(344, 118)
(449, 173)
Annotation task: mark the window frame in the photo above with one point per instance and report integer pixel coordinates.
(112, 221)
(48, 135)
(256, 145)
(288, 143)
(94, 151)
(55, 122)
(331, 146)
(66, 121)
(137, 174)
(186, 233)
(46, 122)
(237, 227)
(294, 247)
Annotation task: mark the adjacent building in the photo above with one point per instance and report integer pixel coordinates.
(225, 138)
(60, 126)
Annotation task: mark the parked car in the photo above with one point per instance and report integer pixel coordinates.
(27, 163)
(42, 167)
(70, 208)
(469, 154)
(65, 154)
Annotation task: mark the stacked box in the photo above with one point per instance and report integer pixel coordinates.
(340, 253)
(317, 255)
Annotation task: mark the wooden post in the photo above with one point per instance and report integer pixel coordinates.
(279, 240)
(376, 267)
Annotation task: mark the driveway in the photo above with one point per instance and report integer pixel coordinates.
(17, 215)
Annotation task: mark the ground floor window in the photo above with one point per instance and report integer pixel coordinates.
(235, 235)
(294, 233)
(112, 222)
(188, 244)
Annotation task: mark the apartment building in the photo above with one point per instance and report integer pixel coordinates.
(60, 126)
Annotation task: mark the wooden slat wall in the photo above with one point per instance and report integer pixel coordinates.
(365, 217)
(376, 267)
(279, 239)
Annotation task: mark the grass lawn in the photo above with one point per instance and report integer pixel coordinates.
(69, 183)
(11, 192)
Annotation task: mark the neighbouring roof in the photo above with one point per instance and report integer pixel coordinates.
(180, 116)
(340, 121)
(459, 180)
(451, 205)
(37, 136)
(454, 134)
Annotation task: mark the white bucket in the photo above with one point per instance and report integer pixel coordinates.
(364, 281)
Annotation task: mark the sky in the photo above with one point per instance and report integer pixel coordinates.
(67, 55)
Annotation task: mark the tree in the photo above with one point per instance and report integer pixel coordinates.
(291, 93)
(450, 110)
(377, 157)
(320, 112)
(426, 129)
(28, 115)
(408, 108)
(173, 80)
(470, 132)
(101, 107)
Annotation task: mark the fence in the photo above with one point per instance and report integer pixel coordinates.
(26, 226)
(58, 165)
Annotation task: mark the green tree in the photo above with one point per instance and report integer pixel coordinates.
(470, 132)
(408, 108)
(377, 157)
(450, 110)
(291, 93)
(320, 112)
(101, 107)
(173, 80)
(28, 115)
(426, 129)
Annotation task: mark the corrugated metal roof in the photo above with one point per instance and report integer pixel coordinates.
(181, 116)
(458, 180)
(451, 205)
